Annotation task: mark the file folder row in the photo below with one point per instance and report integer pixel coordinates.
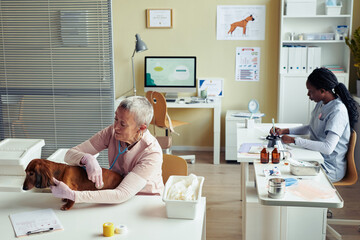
(299, 59)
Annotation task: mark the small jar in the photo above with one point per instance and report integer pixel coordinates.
(264, 155)
(275, 155)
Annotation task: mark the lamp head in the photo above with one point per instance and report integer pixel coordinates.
(140, 46)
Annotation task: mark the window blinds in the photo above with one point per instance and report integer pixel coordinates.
(56, 71)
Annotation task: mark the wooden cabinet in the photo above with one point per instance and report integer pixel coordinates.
(293, 103)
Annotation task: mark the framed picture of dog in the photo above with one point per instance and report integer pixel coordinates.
(159, 18)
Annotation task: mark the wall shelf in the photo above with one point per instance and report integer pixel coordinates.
(294, 105)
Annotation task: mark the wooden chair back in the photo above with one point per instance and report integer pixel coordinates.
(158, 102)
(351, 175)
(173, 165)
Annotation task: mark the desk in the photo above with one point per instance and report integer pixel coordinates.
(216, 105)
(296, 217)
(245, 135)
(145, 217)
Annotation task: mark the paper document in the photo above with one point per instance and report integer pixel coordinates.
(246, 147)
(27, 223)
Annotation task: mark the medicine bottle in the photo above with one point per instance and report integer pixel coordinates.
(275, 155)
(264, 155)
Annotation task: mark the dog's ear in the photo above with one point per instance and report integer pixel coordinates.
(43, 176)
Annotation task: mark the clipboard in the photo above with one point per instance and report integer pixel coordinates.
(32, 222)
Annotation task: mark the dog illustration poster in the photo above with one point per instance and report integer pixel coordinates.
(247, 64)
(240, 22)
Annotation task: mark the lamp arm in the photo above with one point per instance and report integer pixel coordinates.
(133, 74)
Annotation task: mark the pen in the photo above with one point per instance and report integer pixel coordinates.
(273, 122)
(39, 231)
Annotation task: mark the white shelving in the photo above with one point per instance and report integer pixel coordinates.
(294, 105)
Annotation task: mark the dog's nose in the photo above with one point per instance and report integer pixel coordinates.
(25, 188)
(253, 19)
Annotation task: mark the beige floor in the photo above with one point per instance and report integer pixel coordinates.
(222, 191)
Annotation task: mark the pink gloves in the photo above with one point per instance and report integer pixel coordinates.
(93, 170)
(61, 190)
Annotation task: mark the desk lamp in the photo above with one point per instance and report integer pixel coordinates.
(140, 46)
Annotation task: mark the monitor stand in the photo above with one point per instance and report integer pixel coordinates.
(171, 97)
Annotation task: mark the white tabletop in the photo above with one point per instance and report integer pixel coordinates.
(258, 135)
(319, 181)
(144, 216)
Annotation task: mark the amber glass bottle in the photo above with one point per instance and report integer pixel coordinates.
(275, 155)
(264, 155)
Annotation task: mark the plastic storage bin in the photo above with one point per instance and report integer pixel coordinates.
(319, 36)
(181, 208)
(300, 7)
(16, 153)
(333, 10)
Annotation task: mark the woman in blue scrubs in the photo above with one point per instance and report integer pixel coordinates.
(331, 122)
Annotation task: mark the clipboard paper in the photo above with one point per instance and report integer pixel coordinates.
(34, 221)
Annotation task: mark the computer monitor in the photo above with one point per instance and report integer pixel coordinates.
(170, 75)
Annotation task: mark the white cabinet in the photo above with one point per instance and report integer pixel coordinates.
(230, 133)
(293, 103)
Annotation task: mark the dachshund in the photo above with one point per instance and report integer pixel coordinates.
(241, 23)
(40, 173)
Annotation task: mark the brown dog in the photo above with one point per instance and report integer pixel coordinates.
(40, 173)
(241, 23)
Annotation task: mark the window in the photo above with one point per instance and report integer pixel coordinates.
(56, 71)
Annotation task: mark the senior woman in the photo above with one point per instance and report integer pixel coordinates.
(132, 152)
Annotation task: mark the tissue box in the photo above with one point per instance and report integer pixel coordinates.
(182, 208)
(300, 7)
(16, 153)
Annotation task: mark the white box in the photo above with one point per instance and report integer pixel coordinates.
(181, 208)
(16, 153)
(300, 7)
(333, 10)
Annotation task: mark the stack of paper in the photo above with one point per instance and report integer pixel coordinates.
(335, 68)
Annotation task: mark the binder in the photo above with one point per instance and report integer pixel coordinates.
(297, 60)
(310, 59)
(303, 59)
(284, 59)
(317, 57)
(292, 57)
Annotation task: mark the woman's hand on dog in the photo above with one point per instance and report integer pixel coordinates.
(93, 170)
(61, 190)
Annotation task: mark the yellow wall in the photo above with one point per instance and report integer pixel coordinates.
(194, 33)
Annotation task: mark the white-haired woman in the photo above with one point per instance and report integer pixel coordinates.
(132, 152)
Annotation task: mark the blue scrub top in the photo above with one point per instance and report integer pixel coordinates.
(333, 117)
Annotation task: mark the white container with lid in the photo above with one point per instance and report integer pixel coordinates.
(16, 153)
(182, 208)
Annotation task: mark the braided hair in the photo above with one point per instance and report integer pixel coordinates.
(323, 78)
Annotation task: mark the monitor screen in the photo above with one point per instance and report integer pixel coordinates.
(170, 74)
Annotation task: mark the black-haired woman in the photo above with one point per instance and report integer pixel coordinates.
(331, 122)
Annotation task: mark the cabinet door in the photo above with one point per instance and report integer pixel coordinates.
(294, 104)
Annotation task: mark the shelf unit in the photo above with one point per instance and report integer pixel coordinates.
(293, 104)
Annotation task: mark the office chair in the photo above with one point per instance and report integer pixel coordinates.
(162, 120)
(173, 165)
(350, 178)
